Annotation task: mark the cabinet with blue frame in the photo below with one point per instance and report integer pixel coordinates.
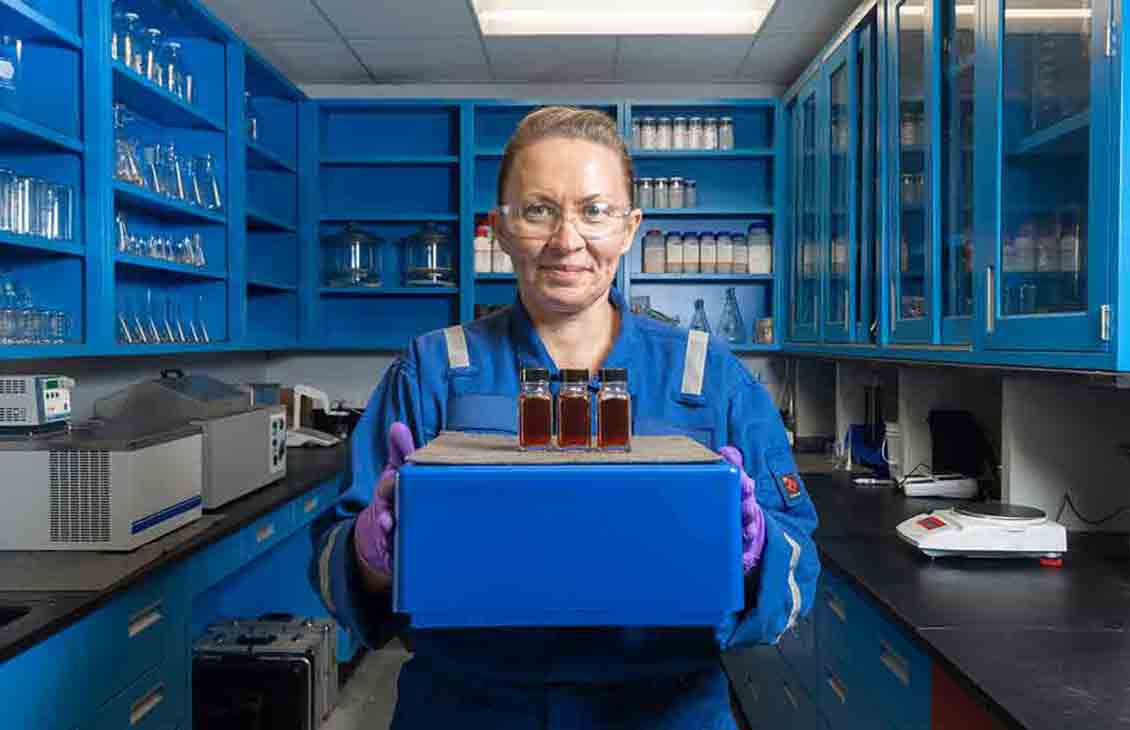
(737, 188)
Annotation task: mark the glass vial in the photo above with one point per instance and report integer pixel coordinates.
(663, 133)
(574, 417)
(690, 253)
(637, 133)
(690, 194)
(675, 192)
(662, 194)
(694, 133)
(535, 410)
(647, 133)
(708, 253)
(647, 193)
(726, 133)
(674, 253)
(654, 252)
(710, 133)
(614, 411)
(680, 134)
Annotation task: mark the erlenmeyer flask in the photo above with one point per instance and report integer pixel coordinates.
(127, 167)
(698, 320)
(206, 172)
(731, 326)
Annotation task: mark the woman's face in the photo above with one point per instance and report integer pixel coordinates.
(565, 272)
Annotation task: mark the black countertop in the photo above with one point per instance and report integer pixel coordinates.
(1041, 647)
(59, 588)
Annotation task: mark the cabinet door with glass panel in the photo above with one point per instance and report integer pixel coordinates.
(866, 250)
(841, 95)
(1048, 95)
(804, 292)
(911, 171)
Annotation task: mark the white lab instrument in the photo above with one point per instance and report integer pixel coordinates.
(30, 403)
(953, 486)
(986, 530)
(299, 435)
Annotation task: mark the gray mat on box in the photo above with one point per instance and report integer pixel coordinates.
(456, 447)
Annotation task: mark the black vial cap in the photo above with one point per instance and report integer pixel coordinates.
(614, 375)
(535, 375)
(574, 375)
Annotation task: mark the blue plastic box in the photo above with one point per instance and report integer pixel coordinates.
(568, 545)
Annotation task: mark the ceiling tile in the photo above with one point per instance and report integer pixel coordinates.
(781, 57)
(290, 19)
(423, 59)
(552, 58)
(666, 59)
(400, 19)
(808, 16)
(313, 61)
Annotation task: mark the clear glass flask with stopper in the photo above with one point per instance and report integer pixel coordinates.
(731, 325)
(699, 320)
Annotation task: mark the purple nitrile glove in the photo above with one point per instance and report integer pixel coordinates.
(753, 521)
(372, 534)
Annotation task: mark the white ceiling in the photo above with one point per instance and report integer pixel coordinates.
(438, 42)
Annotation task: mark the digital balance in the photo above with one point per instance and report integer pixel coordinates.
(986, 530)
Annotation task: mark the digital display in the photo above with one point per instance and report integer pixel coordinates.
(48, 385)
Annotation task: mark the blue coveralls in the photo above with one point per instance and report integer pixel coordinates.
(467, 378)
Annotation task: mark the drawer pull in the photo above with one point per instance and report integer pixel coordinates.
(311, 505)
(266, 532)
(790, 696)
(145, 618)
(894, 663)
(836, 606)
(837, 687)
(146, 704)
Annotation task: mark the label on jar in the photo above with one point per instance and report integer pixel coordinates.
(725, 255)
(691, 256)
(708, 256)
(675, 256)
(741, 258)
(654, 260)
(710, 135)
(760, 259)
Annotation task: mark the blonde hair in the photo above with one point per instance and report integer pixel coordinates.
(565, 122)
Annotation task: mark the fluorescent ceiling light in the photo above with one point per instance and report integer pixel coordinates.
(621, 17)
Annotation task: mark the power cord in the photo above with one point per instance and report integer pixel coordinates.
(1093, 523)
(912, 473)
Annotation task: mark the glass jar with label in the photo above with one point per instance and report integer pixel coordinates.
(675, 192)
(690, 194)
(726, 133)
(647, 133)
(710, 133)
(654, 252)
(707, 253)
(662, 194)
(646, 198)
(741, 253)
(674, 253)
(679, 134)
(637, 133)
(663, 133)
(690, 253)
(694, 133)
(760, 248)
(725, 264)
(1024, 244)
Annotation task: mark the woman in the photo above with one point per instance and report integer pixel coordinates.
(565, 218)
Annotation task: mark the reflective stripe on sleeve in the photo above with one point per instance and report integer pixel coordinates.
(324, 568)
(794, 589)
(457, 354)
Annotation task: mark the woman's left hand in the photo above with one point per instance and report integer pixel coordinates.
(753, 521)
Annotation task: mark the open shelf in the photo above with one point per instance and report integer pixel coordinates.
(399, 291)
(706, 212)
(154, 103)
(258, 220)
(261, 283)
(1058, 132)
(376, 216)
(261, 158)
(144, 262)
(7, 238)
(133, 197)
(25, 22)
(734, 154)
(16, 130)
(339, 160)
(702, 278)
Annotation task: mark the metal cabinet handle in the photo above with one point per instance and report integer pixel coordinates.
(266, 532)
(790, 696)
(149, 702)
(990, 302)
(147, 617)
(837, 687)
(894, 663)
(311, 505)
(837, 607)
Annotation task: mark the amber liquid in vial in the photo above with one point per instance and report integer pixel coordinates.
(535, 422)
(574, 424)
(614, 424)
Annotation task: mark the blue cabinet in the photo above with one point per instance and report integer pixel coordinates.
(806, 262)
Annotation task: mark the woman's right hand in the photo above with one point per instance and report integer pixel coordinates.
(373, 531)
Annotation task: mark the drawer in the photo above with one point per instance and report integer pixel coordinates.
(312, 504)
(842, 698)
(266, 532)
(755, 674)
(796, 706)
(901, 677)
(132, 635)
(798, 647)
(154, 702)
(214, 563)
(845, 623)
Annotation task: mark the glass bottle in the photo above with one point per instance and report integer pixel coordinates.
(694, 134)
(741, 253)
(11, 63)
(726, 133)
(690, 253)
(690, 194)
(674, 253)
(614, 411)
(708, 254)
(662, 193)
(647, 133)
(680, 134)
(675, 192)
(725, 261)
(127, 166)
(152, 52)
(663, 133)
(710, 133)
(574, 415)
(535, 410)
(637, 133)
(647, 193)
(760, 248)
(731, 326)
(698, 319)
(123, 36)
(206, 172)
(654, 252)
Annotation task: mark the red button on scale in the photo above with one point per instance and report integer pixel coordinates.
(931, 523)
